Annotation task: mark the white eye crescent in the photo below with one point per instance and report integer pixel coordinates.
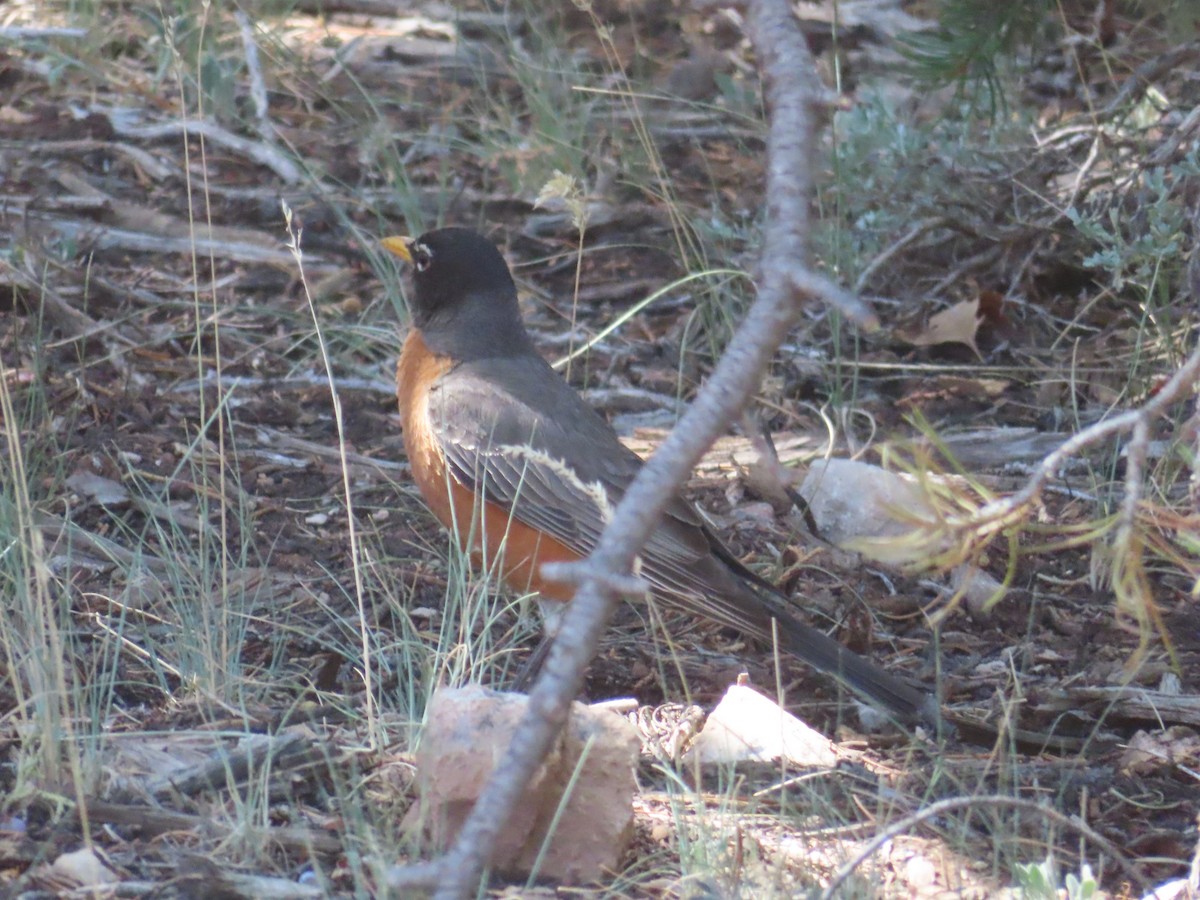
(422, 257)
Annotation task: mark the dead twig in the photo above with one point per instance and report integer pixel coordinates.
(262, 153)
(258, 84)
(73, 323)
(22, 33)
(975, 529)
(918, 230)
(1148, 72)
(1136, 420)
(66, 538)
(150, 822)
(944, 806)
(146, 162)
(282, 752)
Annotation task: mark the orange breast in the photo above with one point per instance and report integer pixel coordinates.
(490, 532)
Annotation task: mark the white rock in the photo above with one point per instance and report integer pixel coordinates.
(747, 725)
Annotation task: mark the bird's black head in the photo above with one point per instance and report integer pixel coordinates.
(460, 283)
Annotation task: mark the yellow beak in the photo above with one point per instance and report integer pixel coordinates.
(401, 246)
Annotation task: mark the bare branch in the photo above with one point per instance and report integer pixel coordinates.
(854, 308)
(978, 803)
(254, 74)
(261, 153)
(1136, 420)
(914, 234)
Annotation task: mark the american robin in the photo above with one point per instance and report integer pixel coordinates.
(510, 458)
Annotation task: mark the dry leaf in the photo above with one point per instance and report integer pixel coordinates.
(960, 324)
(10, 115)
(101, 490)
(957, 325)
(1150, 752)
(75, 871)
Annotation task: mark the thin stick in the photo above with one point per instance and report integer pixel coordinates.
(944, 806)
(1136, 420)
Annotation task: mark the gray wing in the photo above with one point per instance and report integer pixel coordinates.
(514, 431)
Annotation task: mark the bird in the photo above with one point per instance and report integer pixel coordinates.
(509, 457)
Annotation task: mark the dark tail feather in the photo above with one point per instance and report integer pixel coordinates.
(825, 654)
(735, 596)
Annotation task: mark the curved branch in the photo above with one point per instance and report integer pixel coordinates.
(950, 804)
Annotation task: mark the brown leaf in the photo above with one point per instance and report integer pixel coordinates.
(991, 309)
(957, 325)
(10, 115)
(1149, 752)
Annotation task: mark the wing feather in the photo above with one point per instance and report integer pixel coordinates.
(555, 464)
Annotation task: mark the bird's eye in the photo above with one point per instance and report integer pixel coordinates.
(422, 257)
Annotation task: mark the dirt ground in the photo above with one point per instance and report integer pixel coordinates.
(163, 347)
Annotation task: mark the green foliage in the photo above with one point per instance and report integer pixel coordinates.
(891, 171)
(1039, 881)
(198, 48)
(38, 642)
(1134, 241)
(1138, 246)
(550, 125)
(878, 154)
(970, 42)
